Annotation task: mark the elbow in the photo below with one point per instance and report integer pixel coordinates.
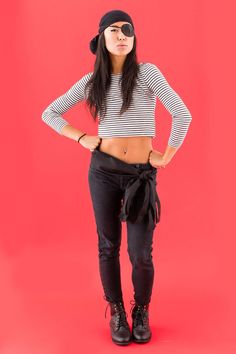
(188, 114)
(54, 120)
(43, 116)
(187, 117)
(185, 113)
(184, 116)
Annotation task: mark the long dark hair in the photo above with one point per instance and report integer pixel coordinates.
(100, 80)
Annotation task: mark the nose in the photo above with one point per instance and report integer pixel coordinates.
(121, 34)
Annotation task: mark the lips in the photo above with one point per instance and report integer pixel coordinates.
(121, 45)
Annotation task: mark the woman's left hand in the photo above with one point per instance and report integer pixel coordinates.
(156, 159)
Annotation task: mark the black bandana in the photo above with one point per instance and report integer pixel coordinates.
(109, 18)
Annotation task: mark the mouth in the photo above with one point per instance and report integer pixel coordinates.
(121, 45)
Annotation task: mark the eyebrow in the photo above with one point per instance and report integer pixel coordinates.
(118, 26)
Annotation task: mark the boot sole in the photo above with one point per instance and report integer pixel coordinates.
(122, 343)
(141, 340)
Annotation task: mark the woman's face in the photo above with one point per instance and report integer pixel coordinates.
(114, 37)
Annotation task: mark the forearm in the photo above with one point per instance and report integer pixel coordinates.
(71, 132)
(169, 153)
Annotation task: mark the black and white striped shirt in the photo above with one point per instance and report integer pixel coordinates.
(139, 119)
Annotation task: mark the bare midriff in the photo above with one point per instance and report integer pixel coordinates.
(128, 149)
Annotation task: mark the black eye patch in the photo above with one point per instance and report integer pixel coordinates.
(127, 29)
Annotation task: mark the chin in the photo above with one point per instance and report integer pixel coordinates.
(123, 52)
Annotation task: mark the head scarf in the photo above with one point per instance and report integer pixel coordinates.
(106, 20)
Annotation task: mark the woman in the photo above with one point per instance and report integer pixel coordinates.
(123, 168)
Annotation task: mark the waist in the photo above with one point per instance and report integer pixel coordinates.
(128, 149)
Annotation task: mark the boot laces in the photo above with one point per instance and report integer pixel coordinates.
(120, 311)
(140, 317)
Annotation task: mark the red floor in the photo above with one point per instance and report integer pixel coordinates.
(51, 302)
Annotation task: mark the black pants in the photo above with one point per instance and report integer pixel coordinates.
(109, 179)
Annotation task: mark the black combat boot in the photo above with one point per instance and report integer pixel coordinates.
(119, 327)
(141, 331)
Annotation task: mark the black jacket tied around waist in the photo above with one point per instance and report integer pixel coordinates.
(140, 199)
(140, 195)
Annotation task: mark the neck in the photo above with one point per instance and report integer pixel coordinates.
(117, 63)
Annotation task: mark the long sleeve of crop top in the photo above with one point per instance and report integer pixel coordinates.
(52, 115)
(181, 116)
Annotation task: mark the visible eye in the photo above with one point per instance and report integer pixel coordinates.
(113, 30)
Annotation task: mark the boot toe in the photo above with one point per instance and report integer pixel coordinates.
(141, 335)
(122, 336)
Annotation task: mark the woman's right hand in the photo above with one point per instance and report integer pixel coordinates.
(90, 141)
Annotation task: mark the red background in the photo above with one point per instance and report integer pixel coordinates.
(51, 295)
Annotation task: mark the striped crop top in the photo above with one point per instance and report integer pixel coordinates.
(139, 119)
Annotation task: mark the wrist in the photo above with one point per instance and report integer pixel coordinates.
(81, 137)
(169, 153)
(165, 159)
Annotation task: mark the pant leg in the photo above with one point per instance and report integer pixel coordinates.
(140, 241)
(106, 199)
